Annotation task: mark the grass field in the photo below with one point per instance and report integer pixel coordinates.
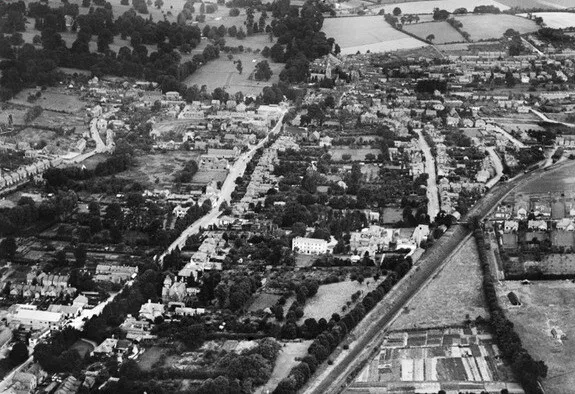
(545, 305)
(263, 301)
(442, 31)
(485, 27)
(331, 298)
(285, 362)
(222, 72)
(150, 357)
(371, 33)
(82, 347)
(208, 176)
(426, 7)
(53, 101)
(161, 166)
(452, 294)
(557, 20)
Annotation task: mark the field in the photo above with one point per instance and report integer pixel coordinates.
(453, 293)
(544, 307)
(208, 176)
(60, 101)
(161, 166)
(485, 27)
(331, 298)
(83, 347)
(557, 20)
(356, 154)
(285, 362)
(426, 7)
(442, 31)
(370, 33)
(222, 72)
(263, 301)
(459, 358)
(152, 355)
(554, 181)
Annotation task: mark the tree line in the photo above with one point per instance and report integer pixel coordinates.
(528, 371)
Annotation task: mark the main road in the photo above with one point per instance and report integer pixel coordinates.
(432, 194)
(371, 330)
(237, 170)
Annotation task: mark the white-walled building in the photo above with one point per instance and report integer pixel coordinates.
(309, 245)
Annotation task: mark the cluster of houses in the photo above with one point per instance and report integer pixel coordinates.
(24, 173)
(262, 178)
(535, 220)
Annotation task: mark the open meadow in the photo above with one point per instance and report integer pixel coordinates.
(222, 73)
(556, 20)
(290, 352)
(332, 297)
(367, 33)
(442, 31)
(355, 154)
(161, 166)
(545, 307)
(490, 26)
(452, 294)
(426, 7)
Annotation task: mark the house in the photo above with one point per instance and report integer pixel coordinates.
(137, 329)
(309, 245)
(180, 211)
(68, 311)
(150, 311)
(114, 273)
(106, 348)
(540, 225)
(510, 226)
(80, 301)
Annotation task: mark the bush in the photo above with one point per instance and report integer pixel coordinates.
(33, 113)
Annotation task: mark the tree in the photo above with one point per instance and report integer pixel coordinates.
(105, 38)
(80, 255)
(397, 11)
(8, 248)
(430, 37)
(440, 15)
(263, 71)
(19, 353)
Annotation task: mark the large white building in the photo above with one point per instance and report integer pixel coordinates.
(309, 245)
(37, 320)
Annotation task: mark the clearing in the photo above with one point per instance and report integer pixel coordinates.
(544, 307)
(83, 347)
(151, 356)
(452, 294)
(222, 73)
(263, 301)
(426, 7)
(331, 298)
(444, 33)
(160, 166)
(556, 20)
(490, 26)
(286, 360)
(59, 101)
(370, 33)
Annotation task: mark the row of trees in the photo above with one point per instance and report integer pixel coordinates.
(333, 334)
(528, 371)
